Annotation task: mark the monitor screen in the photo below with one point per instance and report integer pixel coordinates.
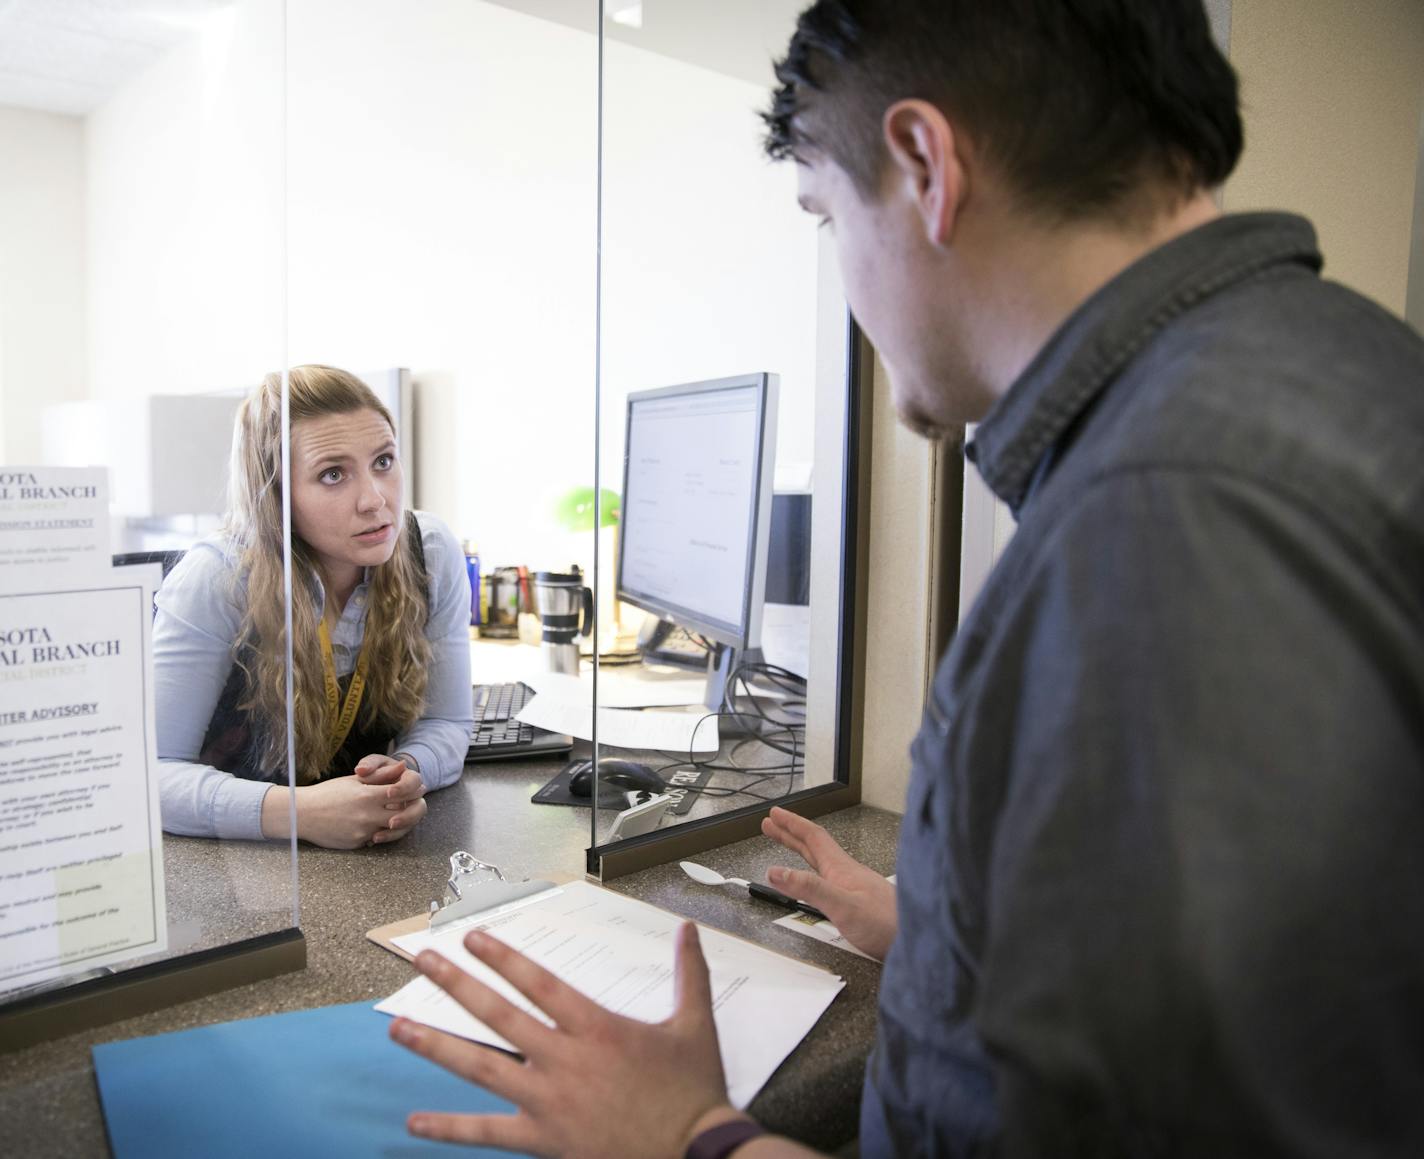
(697, 469)
(788, 564)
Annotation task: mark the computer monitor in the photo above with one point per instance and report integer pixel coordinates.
(788, 561)
(696, 511)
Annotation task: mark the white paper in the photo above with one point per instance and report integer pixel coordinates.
(54, 527)
(81, 853)
(793, 477)
(619, 952)
(623, 728)
(786, 637)
(822, 930)
(503, 662)
(619, 685)
(623, 686)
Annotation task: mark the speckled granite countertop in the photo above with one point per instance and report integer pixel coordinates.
(219, 891)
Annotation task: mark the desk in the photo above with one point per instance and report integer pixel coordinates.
(622, 685)
(48, 1102)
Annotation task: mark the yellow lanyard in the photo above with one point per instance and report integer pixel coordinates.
(341, 713)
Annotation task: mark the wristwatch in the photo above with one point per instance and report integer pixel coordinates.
(720, 1141)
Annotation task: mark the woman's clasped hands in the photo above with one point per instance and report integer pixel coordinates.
(381, 802)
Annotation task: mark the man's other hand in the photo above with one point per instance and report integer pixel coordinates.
(858, 900)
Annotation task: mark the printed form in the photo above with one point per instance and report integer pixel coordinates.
(619, 952)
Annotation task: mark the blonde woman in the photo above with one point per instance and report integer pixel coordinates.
(380, 609)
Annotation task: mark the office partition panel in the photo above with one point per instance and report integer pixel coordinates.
(142, 293)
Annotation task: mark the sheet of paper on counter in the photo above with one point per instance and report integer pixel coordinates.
(619, 951)
(624, 728)
(623, 686)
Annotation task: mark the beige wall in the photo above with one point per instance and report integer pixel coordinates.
(1415, 312)
(1332, 93)
(899, 647)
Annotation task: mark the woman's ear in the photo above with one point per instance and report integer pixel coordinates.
(926, 159)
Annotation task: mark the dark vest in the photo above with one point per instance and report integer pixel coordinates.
(233, 742)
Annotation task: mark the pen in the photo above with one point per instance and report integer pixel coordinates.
(786, 901)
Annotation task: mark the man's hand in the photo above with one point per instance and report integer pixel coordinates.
(594, 1083)
(858, 900)
(381, 803)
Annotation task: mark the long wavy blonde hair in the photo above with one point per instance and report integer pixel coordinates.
(395, 642)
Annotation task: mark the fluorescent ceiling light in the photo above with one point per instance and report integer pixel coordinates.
(629, 15)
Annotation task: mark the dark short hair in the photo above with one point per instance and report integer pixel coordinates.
(1076, 102)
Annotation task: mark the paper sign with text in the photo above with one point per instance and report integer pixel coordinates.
(81, 846)
(54, 527)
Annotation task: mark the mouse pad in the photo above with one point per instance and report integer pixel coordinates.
(556, 792)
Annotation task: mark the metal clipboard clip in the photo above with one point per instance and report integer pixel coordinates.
(475, 886)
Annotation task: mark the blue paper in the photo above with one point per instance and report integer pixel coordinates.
(309, 1083)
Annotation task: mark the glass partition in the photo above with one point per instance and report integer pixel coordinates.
(142, 266)
(727, 437)
(472, 252)
(442, 181)
(230, 189)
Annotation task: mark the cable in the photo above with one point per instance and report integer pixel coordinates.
(720, 791)
(776, 732)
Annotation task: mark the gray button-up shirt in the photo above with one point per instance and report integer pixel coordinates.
(1161, 879)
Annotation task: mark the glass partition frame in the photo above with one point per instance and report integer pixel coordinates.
(608, 857)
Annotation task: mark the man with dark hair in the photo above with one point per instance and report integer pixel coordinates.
(1161, 879)
(1081, 108)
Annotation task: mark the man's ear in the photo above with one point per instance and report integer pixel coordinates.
(925, 158)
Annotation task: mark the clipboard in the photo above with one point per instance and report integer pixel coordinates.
(473, 887)
(476, 887)
(767, 1000)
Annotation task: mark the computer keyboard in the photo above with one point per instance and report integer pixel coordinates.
(498, 736)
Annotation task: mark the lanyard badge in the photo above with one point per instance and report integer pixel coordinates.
(340, 712)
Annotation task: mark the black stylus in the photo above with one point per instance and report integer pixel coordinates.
(785, 901)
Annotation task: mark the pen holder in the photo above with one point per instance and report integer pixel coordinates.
(506, 601)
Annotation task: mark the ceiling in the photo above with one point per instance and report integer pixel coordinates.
(69, 56)
(739, 38)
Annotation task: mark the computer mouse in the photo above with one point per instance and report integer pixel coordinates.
(617, 774)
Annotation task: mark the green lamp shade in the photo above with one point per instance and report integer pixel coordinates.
(574, 511)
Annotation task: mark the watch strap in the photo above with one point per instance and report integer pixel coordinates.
(720, 1141)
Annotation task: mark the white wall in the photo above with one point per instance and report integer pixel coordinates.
(186, 255)
(42, 340)
(709, 265)
(440, 188)
(443, 187)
